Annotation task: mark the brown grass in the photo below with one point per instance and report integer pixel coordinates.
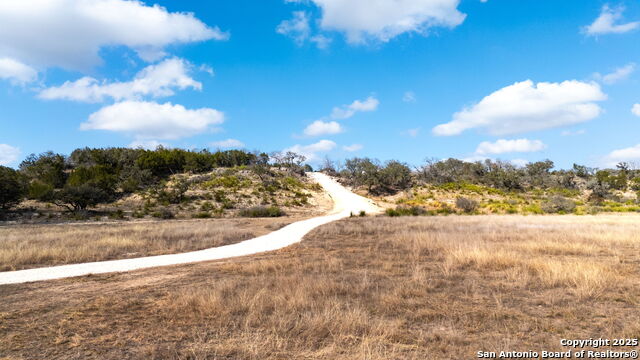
(363, 288)
(30, 246)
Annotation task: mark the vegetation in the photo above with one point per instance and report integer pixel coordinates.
(492, 187)
(467, 205)
(12, 188)
(162, 183)
(362, 288)
(262, 212)
(31, 246)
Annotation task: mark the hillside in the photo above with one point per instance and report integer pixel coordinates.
(492, 187)
(124, 184)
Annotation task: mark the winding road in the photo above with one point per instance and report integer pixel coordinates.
(345, 203)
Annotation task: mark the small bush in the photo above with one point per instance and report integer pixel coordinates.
(207, 206)
(533, 209)
(117, 215)
(201, 215)
(406, 211)
(163, 213)
(558, 204)
(467, 205)
(262, 211)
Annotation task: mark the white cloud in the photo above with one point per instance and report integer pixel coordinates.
(319, 128)
(525, 106)
(409, 97)
(621, 73)
(16, 72)
(607, 23)
(321, 41)
(228, 144)
(71, 33)
(156, 80)
(8, 154)
(207, 69)
(519, 162)
(509, 146)
(297, 28)
(147, 144)
(635, 110)
(383, 20)
(347, 111)
(630, 154)
(311, 151)
(149, 120)
(481, 158)
(353, 148)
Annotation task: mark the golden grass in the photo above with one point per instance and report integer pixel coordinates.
(362, 288)
(31, 246)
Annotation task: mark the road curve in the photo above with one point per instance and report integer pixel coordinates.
(345, 203)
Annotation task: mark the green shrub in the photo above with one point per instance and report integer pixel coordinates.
(406, 211)
(163, 213)
(207, 206)
(202, 215)
(558, 204)
(12, 187)
(262, 211)
(117, 215)
(466, 205)
(533, 209)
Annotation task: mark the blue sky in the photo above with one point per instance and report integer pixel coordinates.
(516, 80)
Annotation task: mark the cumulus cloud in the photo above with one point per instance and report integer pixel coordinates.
(481, 158)
(525, 106)
(16, 72)
(8, 154)
(147, 144)
(630, 154)
(353, 148)
(156, 80)
(297, 28)
(150, 120)
(509, 146)
(519, 162)
(620, 74)
(321, 41)
(635, 110)
(383, 20)
(347, 111)
(228, 144)
(71, 33)
(319, 128)
(312, 151)
(607, 23)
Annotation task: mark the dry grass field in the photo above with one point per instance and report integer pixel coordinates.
(362, 288)
(29, 246)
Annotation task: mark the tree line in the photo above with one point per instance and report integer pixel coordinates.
(393, 176)
(88, 177)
